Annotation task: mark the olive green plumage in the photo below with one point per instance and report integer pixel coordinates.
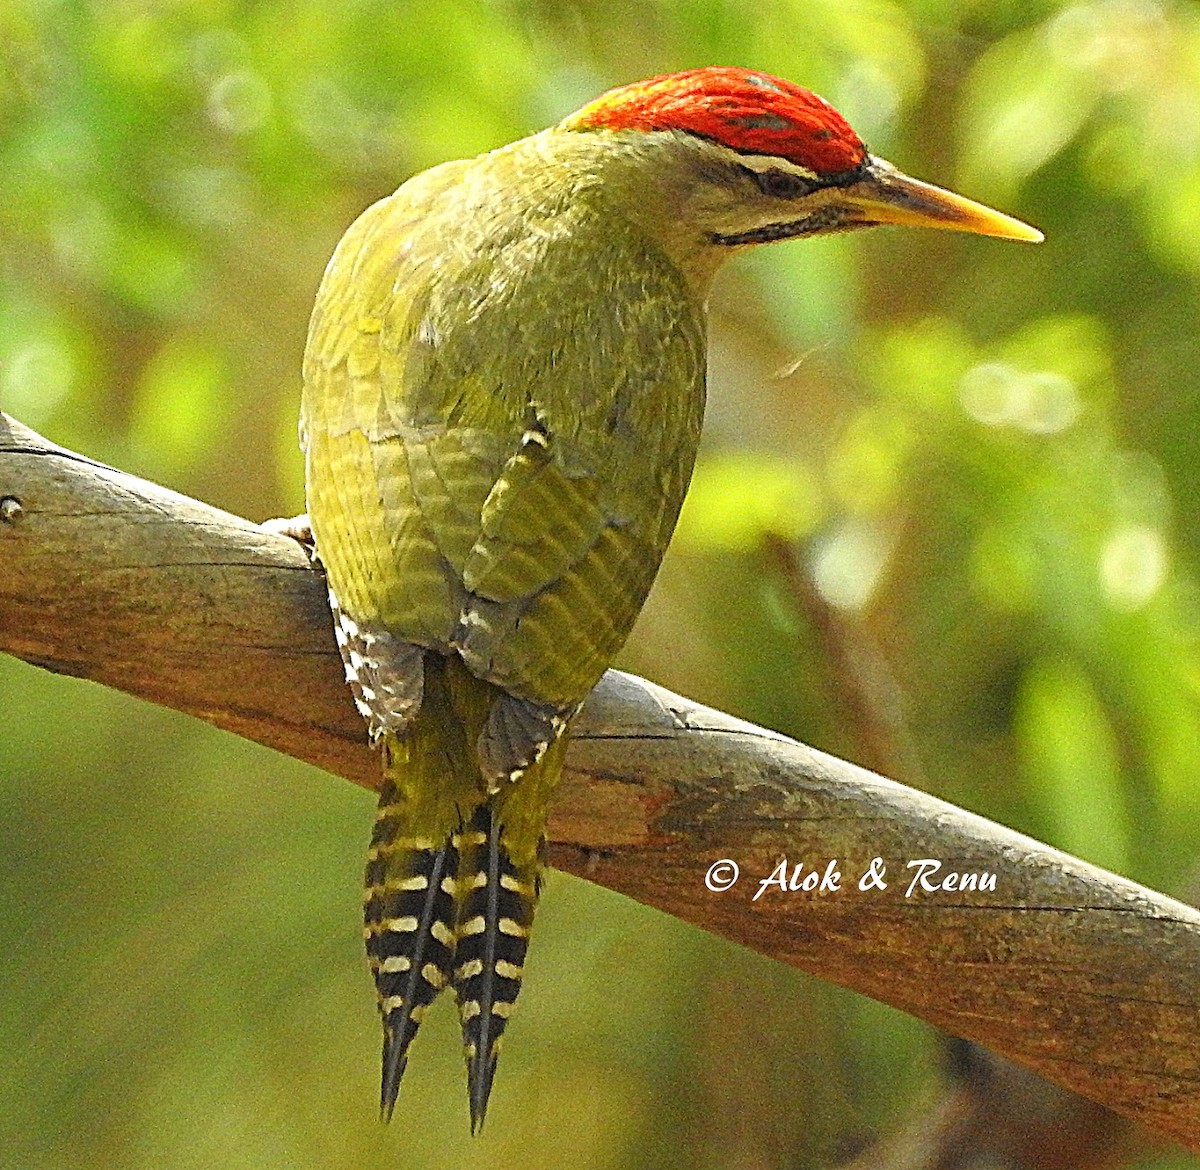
(502, 403)
(503, 391)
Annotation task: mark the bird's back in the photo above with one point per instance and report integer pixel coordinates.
(503, 397)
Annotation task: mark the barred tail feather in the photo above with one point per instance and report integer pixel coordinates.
(496, 904)
(408, 914)
(452, 873)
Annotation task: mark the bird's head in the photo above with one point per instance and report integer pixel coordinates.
(747, 158)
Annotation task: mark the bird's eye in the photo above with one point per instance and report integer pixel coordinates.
(780, 184)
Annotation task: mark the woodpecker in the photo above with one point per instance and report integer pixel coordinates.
(503, 391)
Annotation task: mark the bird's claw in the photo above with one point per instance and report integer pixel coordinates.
(298, 528)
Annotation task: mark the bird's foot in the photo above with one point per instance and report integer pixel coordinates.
(298, 528)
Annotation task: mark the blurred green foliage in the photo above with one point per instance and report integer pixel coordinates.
(954, 478)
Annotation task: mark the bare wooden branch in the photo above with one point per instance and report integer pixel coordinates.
(1068, 970)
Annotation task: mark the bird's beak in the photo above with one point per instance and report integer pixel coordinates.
(886, 195)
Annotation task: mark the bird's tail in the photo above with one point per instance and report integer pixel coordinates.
(452, 878)
(409, 916)
(495, 919)
(499, 879)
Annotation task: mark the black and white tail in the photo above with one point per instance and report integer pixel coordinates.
(452, 871)
(496, 903)
(409, 916)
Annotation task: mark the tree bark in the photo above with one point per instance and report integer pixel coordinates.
(1089, 979)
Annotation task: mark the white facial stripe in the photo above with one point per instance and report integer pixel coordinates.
(762, 163)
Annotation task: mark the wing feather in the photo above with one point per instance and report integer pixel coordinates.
(501, 465)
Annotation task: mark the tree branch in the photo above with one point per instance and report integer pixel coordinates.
(1068, 970)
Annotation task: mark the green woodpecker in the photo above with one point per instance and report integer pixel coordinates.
(503, 391)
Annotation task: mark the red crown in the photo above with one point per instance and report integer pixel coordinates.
(747, 111)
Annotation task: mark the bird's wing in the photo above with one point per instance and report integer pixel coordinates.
(489, 472)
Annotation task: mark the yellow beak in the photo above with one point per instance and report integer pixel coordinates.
(887, 195)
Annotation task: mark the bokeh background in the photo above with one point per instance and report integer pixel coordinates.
(945, 523)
